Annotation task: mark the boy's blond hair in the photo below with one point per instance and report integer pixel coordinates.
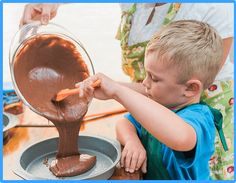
(193, 47)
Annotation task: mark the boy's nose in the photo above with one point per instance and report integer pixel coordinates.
(146, 83)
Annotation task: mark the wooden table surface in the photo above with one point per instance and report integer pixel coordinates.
(33, 128)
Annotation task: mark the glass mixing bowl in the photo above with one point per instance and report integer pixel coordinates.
(31, 30)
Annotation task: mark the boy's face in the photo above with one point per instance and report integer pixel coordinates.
(161, 82)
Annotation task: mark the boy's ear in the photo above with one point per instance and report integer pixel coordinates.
(193, 88)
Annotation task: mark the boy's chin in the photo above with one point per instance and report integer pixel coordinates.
(169, 106)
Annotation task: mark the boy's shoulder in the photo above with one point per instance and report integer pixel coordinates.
(197, 115)
(198, 108)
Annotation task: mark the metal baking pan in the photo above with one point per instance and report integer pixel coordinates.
(9, 121)
(31, 162)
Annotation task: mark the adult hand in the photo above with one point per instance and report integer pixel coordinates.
(39, 12)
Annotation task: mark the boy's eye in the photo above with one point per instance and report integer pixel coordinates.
(153, 78)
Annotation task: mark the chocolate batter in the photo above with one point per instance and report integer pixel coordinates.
(44, 65)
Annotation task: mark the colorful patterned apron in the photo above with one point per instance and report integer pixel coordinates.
(155, 167)
(133, 56)
(219, 95)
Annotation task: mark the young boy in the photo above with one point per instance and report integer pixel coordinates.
(169, 134)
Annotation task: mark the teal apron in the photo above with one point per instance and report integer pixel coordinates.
(155, 167)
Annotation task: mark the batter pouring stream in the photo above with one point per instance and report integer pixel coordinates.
(44, 65)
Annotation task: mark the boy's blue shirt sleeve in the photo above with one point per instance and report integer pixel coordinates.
(193, 164)
(134, 122)
(205, 133)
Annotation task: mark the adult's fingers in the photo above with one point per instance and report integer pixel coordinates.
(46, 13)
(22, 22)
(53, 14)
(27, 15)
(32, 13)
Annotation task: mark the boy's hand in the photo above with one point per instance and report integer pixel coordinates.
(39, 12)
(133, 157)
(105, 91)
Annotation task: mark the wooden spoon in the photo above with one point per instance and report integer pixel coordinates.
(61, 95)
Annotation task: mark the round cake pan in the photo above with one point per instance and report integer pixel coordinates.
(31, 162)
(9, 121)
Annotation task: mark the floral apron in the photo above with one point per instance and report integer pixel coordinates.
(133, 56)
(219, 95)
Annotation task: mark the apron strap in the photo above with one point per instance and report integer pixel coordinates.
(151, 15)
(218, 120)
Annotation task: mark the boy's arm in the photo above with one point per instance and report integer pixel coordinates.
(161, 122)
(133, 155)
(138, 87)
(125, 131)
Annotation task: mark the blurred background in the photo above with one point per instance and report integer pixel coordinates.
(94, 24)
